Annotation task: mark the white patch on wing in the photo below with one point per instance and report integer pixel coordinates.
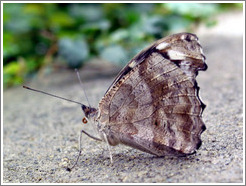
(132, 64)
(173, 54)
(201, 51)
(183, 37)
(162, 46)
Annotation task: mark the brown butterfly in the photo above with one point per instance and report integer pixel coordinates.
(153, 104)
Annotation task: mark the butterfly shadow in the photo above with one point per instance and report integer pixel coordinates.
(133, 158)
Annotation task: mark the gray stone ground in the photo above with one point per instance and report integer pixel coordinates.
(40, 133)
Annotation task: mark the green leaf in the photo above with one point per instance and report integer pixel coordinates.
(89, 12)
(11, 68)
(115, 54)
(13, 73)
(61, 19)
(192, 9)
(74, 51)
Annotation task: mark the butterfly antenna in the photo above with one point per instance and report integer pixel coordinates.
(40, 91)
(81, 84)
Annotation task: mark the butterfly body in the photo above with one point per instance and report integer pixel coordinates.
(153, 104)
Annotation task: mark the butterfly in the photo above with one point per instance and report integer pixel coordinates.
(153, 104)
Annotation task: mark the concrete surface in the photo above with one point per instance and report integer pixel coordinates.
(40, 133)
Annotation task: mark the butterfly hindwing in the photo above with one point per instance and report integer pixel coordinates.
(153, 104)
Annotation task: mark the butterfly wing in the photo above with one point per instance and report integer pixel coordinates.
(153, 104)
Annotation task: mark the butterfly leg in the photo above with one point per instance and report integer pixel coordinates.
(109, 149)
(95, 138)
(80, 147)
(98, 139)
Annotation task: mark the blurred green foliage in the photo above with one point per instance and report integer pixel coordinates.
(37, 35)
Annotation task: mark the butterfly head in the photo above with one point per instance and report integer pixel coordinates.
(89, 111)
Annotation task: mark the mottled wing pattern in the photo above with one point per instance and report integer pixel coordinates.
(153, 104)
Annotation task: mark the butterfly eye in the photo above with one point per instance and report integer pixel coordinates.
(84, 120)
